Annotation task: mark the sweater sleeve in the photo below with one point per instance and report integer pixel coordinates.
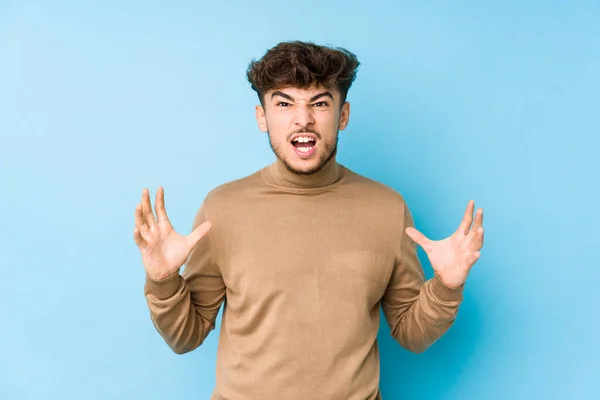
(183, 307)
(418, 312)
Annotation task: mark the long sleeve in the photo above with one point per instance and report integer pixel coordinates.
(183, 307)
(418, 312)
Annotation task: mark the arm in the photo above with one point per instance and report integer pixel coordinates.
(184, 307)
(418, 312)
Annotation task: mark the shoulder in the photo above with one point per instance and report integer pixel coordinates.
(231, 194)
(374, 191)
(382, 202)
(236, 187)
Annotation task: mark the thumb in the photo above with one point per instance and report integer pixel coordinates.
(198, 233)
(417, 236)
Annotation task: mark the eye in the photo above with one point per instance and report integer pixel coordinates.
(282, 103)
(322, 104)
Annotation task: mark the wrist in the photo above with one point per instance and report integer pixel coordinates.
(163, 286)
(159, 276)
(445, 292)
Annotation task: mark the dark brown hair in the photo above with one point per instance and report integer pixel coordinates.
(302, 65)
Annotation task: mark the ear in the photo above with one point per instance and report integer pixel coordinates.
(261, 119)
(344, 116)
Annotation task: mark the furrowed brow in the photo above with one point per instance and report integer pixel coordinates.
(287, 96)
(328, 94)
(284, 95)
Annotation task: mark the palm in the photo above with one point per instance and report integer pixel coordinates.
(163, 247)
(175, 248)
(453, 257)
(163, 250)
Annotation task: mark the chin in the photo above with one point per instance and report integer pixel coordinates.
(306, 166)
(304, 163)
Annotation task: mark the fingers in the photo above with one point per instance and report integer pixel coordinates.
(161, 211)
(472, 259)
(418, 237)
(147, 209)
(199, 233)
(474, 240)
(478, 219)
(477, 238)
(465, 224)
(137, 236)
(140, 230)
(476, 232)
(139, 218)
(479, 225)
(144, 219)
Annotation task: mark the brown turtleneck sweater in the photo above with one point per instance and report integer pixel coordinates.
(302, 265)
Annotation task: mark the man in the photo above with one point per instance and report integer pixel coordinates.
(301, 253)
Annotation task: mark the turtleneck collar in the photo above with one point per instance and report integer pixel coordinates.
(279, 175)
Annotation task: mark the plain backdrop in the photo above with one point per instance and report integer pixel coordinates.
(492, 101)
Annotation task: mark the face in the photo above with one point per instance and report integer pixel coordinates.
(303, 125)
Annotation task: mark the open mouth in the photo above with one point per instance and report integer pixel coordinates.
(304, 145)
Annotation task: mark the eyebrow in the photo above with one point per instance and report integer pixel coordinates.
(287, 96)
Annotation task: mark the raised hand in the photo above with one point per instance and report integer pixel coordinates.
(452, 258)
(163, 250)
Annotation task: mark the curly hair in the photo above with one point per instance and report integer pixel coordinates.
(302, 65)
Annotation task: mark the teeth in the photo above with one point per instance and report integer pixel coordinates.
(303, 139)
(304, 149)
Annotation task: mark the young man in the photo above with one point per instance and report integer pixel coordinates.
(302, 253)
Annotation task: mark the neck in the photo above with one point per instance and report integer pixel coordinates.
(329, 173)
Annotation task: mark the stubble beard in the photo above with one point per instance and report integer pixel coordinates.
(330, 150)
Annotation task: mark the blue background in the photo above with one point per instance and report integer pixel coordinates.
(453, 100)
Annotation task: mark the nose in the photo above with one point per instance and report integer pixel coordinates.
(303, 116)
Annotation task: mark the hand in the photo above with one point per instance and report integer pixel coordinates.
(163, 250)
(453, 257)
